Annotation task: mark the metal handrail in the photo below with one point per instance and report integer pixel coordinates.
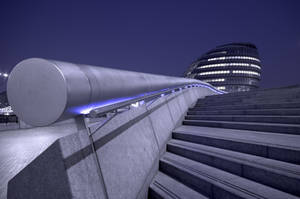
(102, 111)
(96, 112)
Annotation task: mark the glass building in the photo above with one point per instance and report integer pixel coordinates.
(231, 67)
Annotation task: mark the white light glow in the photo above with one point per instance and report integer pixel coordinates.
(229, 64)
(135, 105)
(221, 87)
(234, 57)
(245, 72)
(215, 72)
(214, 80)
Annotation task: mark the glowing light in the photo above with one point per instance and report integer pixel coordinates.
(214, 80)
(86, 109)
(221, 87)
(246, 72)
(135, 105)
(215, 72)
(234, 57)
(229, 64)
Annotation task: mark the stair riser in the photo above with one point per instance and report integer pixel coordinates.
(256, 127)
(198, 184)
(267, 177)
(248, 112)
(221, 98)
(277, 91)
(211, 101)
(245, 107)
(282, 154)
(283, 120)
(290, 94)
(247, 101)
(153, 195)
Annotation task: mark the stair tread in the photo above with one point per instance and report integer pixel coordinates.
(252, 116)
(296, 109)
(286, 141)
(247, 112)
(250, 105)
(248, 123)
(248, 118)
(232, 183)
(276, 166)
(170, 188)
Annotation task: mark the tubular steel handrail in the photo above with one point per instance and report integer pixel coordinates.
(53, 91)
(113, 108)
(110, 108)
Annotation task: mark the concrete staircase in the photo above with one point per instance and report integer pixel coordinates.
(237, 145)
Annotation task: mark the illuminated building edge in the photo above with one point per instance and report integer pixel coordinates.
(232, 67)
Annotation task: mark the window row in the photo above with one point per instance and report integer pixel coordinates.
(221, 87)
(215, 72)
(214, 80)
(228, 71)
(246, 72)
(234, 57)
(229, 64)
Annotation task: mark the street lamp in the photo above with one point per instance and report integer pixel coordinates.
(5, 75)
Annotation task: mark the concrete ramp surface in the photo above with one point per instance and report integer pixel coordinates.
(20, 147)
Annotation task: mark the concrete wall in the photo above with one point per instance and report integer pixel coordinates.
(127, 150)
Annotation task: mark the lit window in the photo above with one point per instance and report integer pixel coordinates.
(229, 64)
(215, 72)
(245, 72)
(214, 80)
(234, 57)
(221, 87)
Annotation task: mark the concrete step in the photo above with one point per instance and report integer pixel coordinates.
(253, 126)
(208, 101)
(165, 187)
(248, 118)
(215, 183)
(293, 88)
(283, 147)
(262, 93)
(295, 111)
(247, 101)
(254, 96)
(273, 173)
(272, 100)
(246, 106)
(253, 100)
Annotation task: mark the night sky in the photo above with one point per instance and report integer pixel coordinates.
(161, 37)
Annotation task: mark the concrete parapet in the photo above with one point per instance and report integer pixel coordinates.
(119, 160)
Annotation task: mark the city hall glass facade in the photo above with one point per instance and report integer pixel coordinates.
(232, 67)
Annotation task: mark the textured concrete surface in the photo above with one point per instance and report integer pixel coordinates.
(215, 183)
(168, 188)
(19, 147)
(265, 127)
(259, 169)
(280, 140)
(127, 153)
(253, 154)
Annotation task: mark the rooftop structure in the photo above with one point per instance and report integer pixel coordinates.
(231, 67)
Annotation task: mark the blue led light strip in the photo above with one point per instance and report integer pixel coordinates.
(86, 109)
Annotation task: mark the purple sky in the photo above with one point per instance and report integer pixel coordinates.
(161, 37)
